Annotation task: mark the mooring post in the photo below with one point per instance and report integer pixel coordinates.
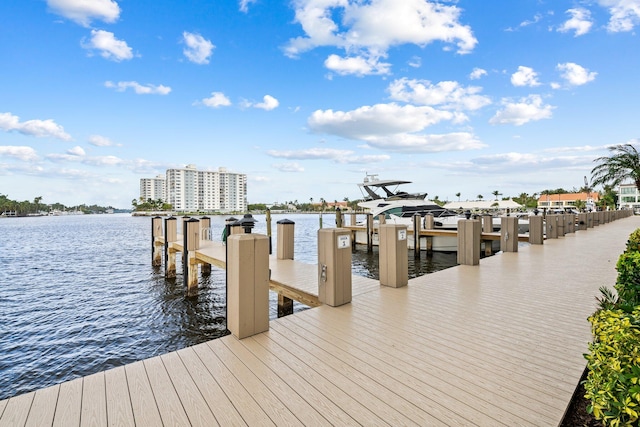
(205, 234)
(487, 223)
(509, 234)
(156, 245)
(191, 237)
(429, 223)
(170, 236)
(536, 230)
(268, 219)
(286, 238)
(417, 222)
(551, 226)
(285, 250)
(582, 221)
(369, 233)
(469, 236)
(570, 223)
(560, 225)
(393, 253)
(338, 218)
(334, 266)
(248, 284)
(353, 221)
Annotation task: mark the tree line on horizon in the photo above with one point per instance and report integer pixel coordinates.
(36, 207)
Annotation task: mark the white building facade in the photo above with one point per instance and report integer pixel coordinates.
(153, 188)
(190, 190)
(628, 197)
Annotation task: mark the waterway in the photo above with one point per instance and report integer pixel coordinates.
(78, 294)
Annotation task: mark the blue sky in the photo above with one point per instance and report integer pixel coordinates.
(306, 96)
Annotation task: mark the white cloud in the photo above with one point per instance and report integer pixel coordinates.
(477, 73)
(110, 48)
(138, 88)
(393, 127)
(84, 11)
(288, 167)
(217, 99)
(100, 141)
(244, 5)
(198, 48)
(525, 76)
(368, 29)
(447, 94)
(379, 119)
(76, 151)
(536, 18)
(268, 103)
(525, 110)
(526, 162)
(357, 65)
(18, 152)
(415, 62)
(625, 14)
(423, 143)
(576, 75)
(580, 22)
(311, 154)
(337, 156)
(38, 128)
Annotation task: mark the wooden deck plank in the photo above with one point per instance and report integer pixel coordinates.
(94, 401)
(169, 405)
(270, 404)
(462, 392)
(69, 407)
(143, 403)
(471, 350)
(304, 388)
(223, 409)
(347, 403)
(16, 410)
(349, 381)
(300, 408)
(119, 410)
(460, 355)
(194, 404)
(43, 407)
(405, 399)
(242, 400)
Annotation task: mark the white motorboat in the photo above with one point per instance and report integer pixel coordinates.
(382, 197)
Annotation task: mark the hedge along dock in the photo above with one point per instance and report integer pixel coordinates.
(498, 343)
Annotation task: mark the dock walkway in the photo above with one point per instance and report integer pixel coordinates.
(496, 344)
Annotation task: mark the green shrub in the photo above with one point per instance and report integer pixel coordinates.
(628, 281)
(613, 381)
(633, 244)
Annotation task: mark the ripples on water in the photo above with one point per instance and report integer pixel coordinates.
(78, 295)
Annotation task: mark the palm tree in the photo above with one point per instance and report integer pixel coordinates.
(458, 195)
(621, 165)
(479, 196)
(496, 193)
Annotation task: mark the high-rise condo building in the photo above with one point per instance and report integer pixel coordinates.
(188, 189)
(152, 188)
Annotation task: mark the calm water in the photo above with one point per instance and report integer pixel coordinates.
(78, 295)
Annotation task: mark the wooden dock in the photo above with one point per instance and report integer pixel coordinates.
(496, 344)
